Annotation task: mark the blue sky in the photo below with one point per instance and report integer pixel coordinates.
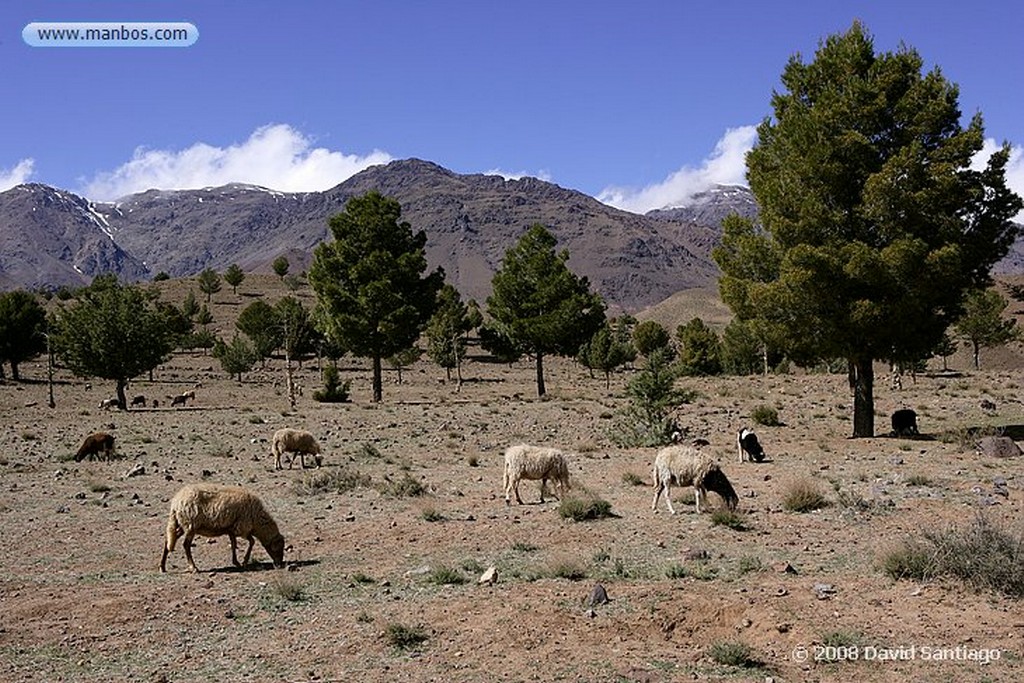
(638, 103)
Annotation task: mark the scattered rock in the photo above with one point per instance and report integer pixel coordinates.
(134, 471)
(823, 591)
(489, 577)
(598, 596)
(694, 554)
(784, 568)
(998, 447)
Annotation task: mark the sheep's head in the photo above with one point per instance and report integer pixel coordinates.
(717, 481)
(275, 548)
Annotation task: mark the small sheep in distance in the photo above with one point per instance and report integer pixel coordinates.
(534, 462)
(108, 403)
(213, 510)
(94, 444)
(139, 400)
(687, 466)
(287, 440)
(182, 398)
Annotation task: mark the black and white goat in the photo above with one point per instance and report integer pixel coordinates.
(748, 446)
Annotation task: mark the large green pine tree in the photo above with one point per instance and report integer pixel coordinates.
(113, 331)
(539, 305)
(873, 221)
(369, 281)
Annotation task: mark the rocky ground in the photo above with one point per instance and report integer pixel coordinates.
(373, 569)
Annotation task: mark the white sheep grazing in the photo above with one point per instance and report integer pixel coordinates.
(299, 441)
(534, 462)
(108, 403)
(214, 510)
(182, 398)
(687, 466)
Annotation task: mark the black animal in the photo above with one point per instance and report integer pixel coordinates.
(138, 401)
(904, 422)
(748, 446)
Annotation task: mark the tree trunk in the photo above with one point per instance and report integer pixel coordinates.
(121, 398)
(977, 356)
(14, 371)
(540, 374)
(378, 390)
(862, 379)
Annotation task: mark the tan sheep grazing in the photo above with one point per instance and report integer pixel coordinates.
(289, 440)
(687, 466)
(214, 510)
(94, 444)
(534, 462)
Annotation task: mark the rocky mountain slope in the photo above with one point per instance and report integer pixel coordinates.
(470, 221)
(50, 237)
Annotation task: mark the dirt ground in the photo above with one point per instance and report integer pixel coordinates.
(83, 599)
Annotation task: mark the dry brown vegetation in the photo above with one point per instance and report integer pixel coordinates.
(382, 583)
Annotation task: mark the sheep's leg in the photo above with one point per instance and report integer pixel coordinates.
(657, 493)
(507, 485)
(234, 550)
(187, 543)
(543, 485)
(170, 538)
(668, 496)
(515, 489)
(248, 551)
(699, 493)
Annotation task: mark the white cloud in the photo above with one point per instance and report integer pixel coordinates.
(275, 156)
(21, 172)
(519, 175)
(725, 166)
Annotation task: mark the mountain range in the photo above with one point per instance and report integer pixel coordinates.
(50, 237)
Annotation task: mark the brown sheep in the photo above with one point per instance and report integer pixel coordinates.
(214, 510)
(94, 444)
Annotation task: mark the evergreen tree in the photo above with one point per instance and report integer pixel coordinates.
(539, 304)
(649, 336)
(235, 358)
(22, 329)
(280, 266)
(234, 277)
(260, 322)
(699, 349)
(873, 221)
(209, 283)
(982, 323)
(447, 329)
(373, 296)
(606, 351)
(112, 331)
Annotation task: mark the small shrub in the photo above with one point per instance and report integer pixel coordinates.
(729, 518)
(918, 480)
(766, 416)
(256, 420)
(340, 480)
(431, 514)
(676, 571)
(334, 391)
(471, 566)
(288, 589)
(99, 488)
(369, 452)
(749, 563)
(361, 578)
(842, 638)
(583, 508)
(568, 570)
(364, 618)
(803, 496)
(405, 637)
(733, 654)
(523, 547)
(633, 479)
(406, 486)
(29, 436)
(446, 576)
(473, 461)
